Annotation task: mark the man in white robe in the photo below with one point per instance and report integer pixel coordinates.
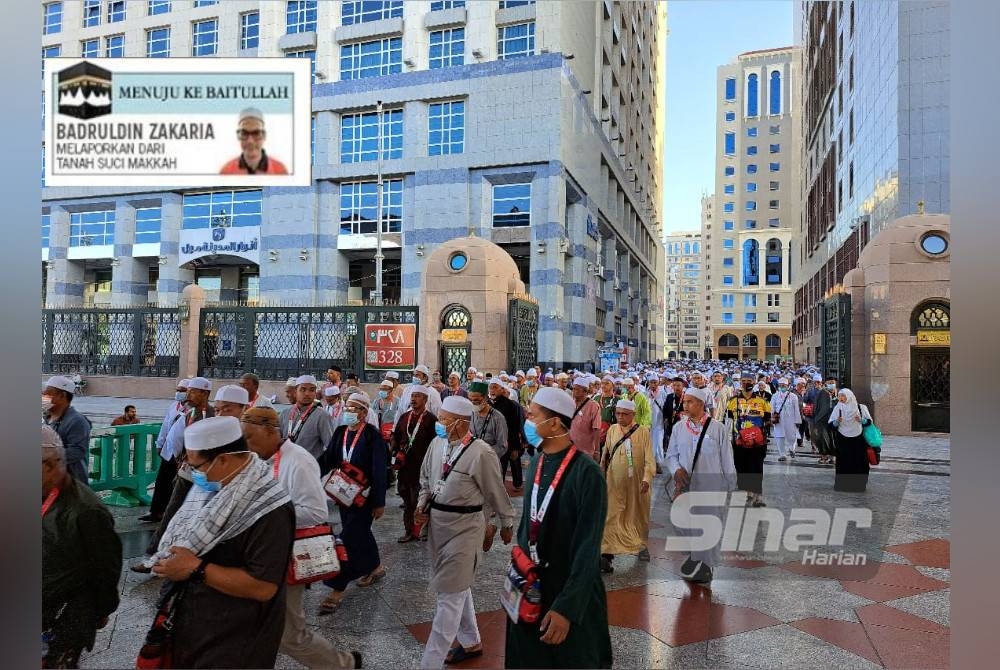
(714, 472)
(785, 417)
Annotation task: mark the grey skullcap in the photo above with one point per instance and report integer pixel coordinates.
(252, 113)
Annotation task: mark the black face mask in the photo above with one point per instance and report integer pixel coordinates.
(748, 386)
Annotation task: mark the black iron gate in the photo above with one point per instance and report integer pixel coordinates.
(129, 341)
(837, 338)
(522, 334)
(455, 358)
(930, 389)
(281, 342)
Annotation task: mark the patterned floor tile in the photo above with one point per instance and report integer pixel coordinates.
(843, 634)
(929, 553)
(904, 648)
(934, 606)
(782, 647)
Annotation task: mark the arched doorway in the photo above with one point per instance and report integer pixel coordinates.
(750, 346)
(729, 347)
(456, 351)
(930, 367)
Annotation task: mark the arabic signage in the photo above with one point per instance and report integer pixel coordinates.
(177, 122)
(934, 338)
(879, 341)
(454, 335)
(241, 241)
(390, 346)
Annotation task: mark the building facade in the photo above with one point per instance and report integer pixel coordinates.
(876, 128)
(683, 328)
(536, 126)
(752, 234)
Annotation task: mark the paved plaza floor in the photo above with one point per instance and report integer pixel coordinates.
(765, 609)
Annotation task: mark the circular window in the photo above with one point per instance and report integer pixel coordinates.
(458, 261)
(934, 244)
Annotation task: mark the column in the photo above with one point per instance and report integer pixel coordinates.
(172, 278)
(64, 282)
(548, 269)
(579, 288)
(291, 218)
(129, 276)
(334, 269)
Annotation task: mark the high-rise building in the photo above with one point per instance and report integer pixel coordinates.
(753, 231)
(876, 123)
(538, 126)
(683, 327)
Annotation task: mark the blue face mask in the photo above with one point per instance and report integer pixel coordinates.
(350, 418)
(531, 432)
(180, 396)
(440, 430)
(782, 388)
(383, 394)
(831, 387)
(200, 479)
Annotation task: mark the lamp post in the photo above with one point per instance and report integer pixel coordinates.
(378, 210)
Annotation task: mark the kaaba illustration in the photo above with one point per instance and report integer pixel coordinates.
(85, 91)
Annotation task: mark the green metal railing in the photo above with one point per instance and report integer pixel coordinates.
(123, 460)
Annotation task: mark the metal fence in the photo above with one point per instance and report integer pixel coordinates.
(280, 342)
(522, 328)
(132, 341)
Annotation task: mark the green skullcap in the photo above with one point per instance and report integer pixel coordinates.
(479, 387)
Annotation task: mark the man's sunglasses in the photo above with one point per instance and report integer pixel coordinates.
(243, 134)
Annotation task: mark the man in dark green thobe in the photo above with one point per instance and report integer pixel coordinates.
(572, 631)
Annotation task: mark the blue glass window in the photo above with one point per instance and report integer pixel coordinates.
(751, 168)
(516, 41)
(727, 280)
(749, 299)
(91, 229)
(753, 96)
(751, 262)
(447, 48)
(158, 43)
(446, 4)
(687, 248)
(446, 128)
(511, 205)
(727, 207)
(729, 171)
(147, 225)
(52, 21)
(91, 13)
(727, 317)
(730, 144)
(116, 11)
(773, 223)
(222, 209)
(775, 167)
(357, 207)
(727, 262)
(775, 148)
(730, 116)
(205, 38)
(728, 244)
(46, 227)
(371, 59)
(730, 89)
(752, 132)
(751, 205)
(363, 11)
(458, 261)
(90, 48)
(506, 4)
(204, 3)
(727, 299)
(359, 136)
(154, 7)
(775, 91)
(728, 189)
(114, 46)
(751, 187)
(749, 317)
(300, 16)
(752, 150)
(750, 224)
(250, 30)
(728, 225)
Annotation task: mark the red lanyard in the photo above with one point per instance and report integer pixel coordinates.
(448, 463)
(277, 462)
(299, 422)
(51, 498)
(190, 417)
(350, 452)
(538, 515)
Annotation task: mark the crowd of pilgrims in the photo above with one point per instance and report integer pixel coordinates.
(245, 492)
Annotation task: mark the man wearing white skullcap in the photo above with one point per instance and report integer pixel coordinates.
(168, 465)
(800, 388)
(629, 467)
(713, 471)
(290, 392)
(456, 509)
(785, 418)
(231, 400)
(585, 429)
(306, 424)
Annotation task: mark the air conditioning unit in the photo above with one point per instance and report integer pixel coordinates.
(477, 53)
(564, 246)
(618, 284)
(599, 272)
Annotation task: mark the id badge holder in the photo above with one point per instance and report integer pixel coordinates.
(510, 598)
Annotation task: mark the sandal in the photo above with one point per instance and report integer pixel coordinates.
(460, 653)
(331, 603)
(372, 577)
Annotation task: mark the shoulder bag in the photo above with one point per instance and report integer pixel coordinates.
(672, 491)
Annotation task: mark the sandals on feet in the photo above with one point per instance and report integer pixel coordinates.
(331, 603)
(460, 653)
(372, 577)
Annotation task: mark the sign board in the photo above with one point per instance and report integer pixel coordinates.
(175, 122)
(390, 346)
(241, 241)
(610, 360)
(934, 338)
(454, 335)
(879, 343)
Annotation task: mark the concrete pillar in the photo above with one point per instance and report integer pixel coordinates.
(172, 278)
(333, 267)
(291, 222)
(548, 269)
(194, 297)
(579, 288)
(762, 264)
(129, 276)
(64, 281)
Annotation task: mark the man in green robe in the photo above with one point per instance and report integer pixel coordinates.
(572, 630)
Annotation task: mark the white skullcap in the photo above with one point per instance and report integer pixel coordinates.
(385, 382)
(799, 380)
(627, 405)
(457, 405)
(60, 382)
(582, 382)
(701, 394)
(212, 432)
(200, 383)
(50, 438)
(422, 368)
(519, 373)
(562, 375)
(697, 373)
(361, 398)
(784, 379)
(306, 379)
(473, 370)
(496, 381)
(608, 378)
(532, 372)
(392, 374)
(331, 391)
(556, 400)
(183, 383)
(252, 113)
(817, 377)
(291, 382)
(628, 381)
(231, 393)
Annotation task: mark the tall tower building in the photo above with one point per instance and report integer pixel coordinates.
(538, 126)
(683, 328)
(757, 204)
(876, 122)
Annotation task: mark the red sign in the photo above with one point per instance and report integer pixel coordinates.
(390, 346)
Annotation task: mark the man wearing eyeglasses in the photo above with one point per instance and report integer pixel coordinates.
(252, 159)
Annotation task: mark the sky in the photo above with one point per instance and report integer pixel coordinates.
(703, 36)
